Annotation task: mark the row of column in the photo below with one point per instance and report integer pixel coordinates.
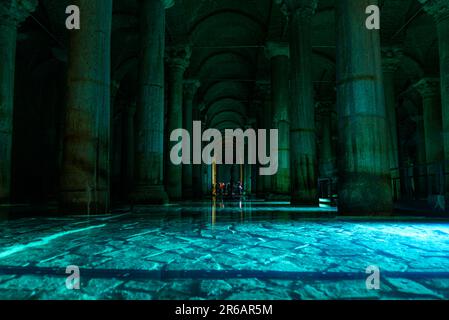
(364, 111)
(85, 171)
(366, 145)
(85, 174)
(366, 107)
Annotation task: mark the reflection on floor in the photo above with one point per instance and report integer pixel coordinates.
(238, 250)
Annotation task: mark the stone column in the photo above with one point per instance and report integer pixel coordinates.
(178, 59)
(439, 10)
(327, 160)
(391, 57)
(429, 89)
(302, 114)
(278, 53)
(190, 89)
(12, 13)
(364, 182)
(85, 170)
(150, 119)
(419, 170)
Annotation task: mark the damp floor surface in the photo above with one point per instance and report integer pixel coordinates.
(229, 250)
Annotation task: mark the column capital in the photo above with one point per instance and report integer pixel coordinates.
(178, 56)
(391, 58)
(438, 9)
(275, 49)
(191, 87)
(304, 7)
(168, 3)
(16, 11)
(428, 87)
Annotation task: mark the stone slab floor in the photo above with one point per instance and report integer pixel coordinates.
(230, 250)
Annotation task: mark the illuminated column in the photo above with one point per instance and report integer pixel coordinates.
(190, 89)
(85, 165)
(149, 120)
(12, 13)
(278, 53)
(178, 59)
(302, 114)
(429, 89)
(439, 10)
(364, 182)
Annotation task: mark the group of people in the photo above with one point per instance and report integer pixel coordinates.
(229, 189)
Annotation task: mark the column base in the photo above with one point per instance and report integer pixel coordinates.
(84, 203)
(365, 195)
(154, 194)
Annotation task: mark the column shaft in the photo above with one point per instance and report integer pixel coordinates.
(11, 14)
(429, 90)
(364, 183)
(326, 150)
(439, 9)
(420, 169)
(190, 88)
(390, 106)
(149, 120)
(177, 59)
(281, 121)
(443, 36)
(8, 35)
(391, 57)
(85, 168)
(302, 116)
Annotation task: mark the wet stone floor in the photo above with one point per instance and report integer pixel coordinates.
(230, 251)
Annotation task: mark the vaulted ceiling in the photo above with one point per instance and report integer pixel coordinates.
(227, 39)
